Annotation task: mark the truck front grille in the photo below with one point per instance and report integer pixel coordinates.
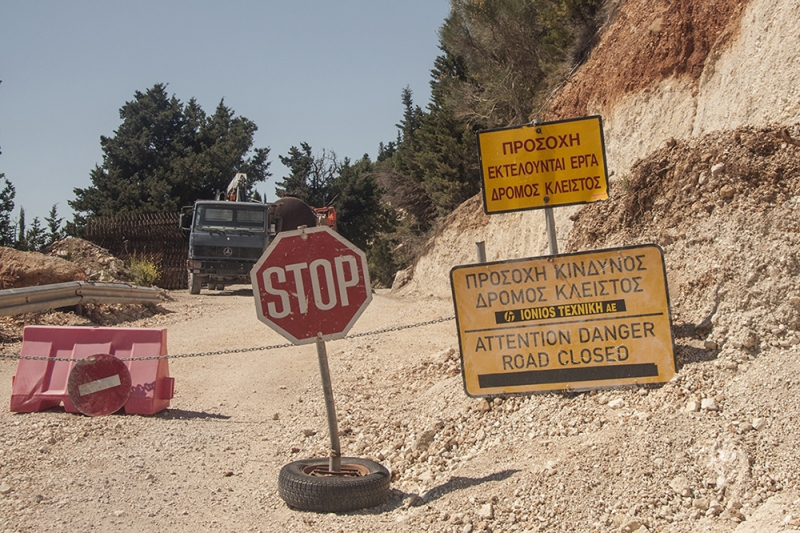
(219, 251)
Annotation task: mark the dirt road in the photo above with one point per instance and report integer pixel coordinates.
(211, 461)
(626, 460)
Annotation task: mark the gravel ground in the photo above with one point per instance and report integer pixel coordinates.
(713, 450)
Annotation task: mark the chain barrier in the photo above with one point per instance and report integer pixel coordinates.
(233, 351)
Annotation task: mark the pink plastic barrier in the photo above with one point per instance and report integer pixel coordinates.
(42, 384)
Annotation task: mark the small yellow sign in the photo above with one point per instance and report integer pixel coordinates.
(578, 321)
(544, 165)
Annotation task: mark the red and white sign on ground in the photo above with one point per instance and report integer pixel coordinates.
(310, 282)
(99, 385)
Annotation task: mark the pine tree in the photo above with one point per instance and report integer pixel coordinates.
(36, 236)
(361, 216)
(166, 154)
(7, 229)
(310, 178)
(21, 243)
(55, 232)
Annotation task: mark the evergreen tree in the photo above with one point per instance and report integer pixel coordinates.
(408, 142)
(21, 243)
(310, 178)
(36, 236)
(54, 225)
(299, 161)
(166, 154)
(500, 60)
(361, 215)
(382, 262)
(7, 229)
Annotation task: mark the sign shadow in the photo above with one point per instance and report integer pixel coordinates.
(398, 498)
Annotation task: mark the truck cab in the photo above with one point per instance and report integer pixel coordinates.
(228, 235)
(225, 240)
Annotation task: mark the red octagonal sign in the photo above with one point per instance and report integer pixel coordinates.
(310, 282)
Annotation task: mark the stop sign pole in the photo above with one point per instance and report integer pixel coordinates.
(335, 464)
(311, 285)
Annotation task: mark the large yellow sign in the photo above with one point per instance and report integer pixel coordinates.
(545, 165)
(577, 321)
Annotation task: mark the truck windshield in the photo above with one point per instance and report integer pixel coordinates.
(233, 217)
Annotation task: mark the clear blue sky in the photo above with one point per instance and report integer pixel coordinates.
(326, 73)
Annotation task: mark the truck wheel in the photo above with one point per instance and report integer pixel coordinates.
(195, 283)
(308, 485)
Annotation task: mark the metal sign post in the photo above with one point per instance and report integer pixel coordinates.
(335, 464)
(311, 285)
(550, 222)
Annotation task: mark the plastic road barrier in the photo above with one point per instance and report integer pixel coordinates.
(42, 383)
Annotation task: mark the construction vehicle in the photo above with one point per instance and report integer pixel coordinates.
(229, 234)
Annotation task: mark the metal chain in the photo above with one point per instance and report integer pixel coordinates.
(233, 351)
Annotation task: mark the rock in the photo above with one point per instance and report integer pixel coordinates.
(631, 526)
(444, 356)
(484, 406)
(480, 435)
(486, 511)
(700, 503)
(681, 486)
(5, 489)
(714, 508)
(309, 432)
(402, 278)
(727, 192)
(692, 406)
(708, 404)
(616, 403)
(759, 423)
(425, 439)
(717, 169)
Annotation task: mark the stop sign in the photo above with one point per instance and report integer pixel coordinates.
(311, 281)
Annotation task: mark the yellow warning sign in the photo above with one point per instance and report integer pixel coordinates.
(544, 165)
(577, 321)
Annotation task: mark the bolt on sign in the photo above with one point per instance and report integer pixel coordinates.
(577, 321)
(544, 165)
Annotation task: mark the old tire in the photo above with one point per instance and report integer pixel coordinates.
(195, 283)
(367, 486)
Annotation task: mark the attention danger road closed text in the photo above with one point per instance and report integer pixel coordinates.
(583, 320)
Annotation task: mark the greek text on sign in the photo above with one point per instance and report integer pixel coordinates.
(545, 165)
(577, 321)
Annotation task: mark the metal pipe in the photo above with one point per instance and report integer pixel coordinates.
(550, 222)
(481, 246)
(335, 464)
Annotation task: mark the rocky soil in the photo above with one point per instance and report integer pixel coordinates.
(716, 449)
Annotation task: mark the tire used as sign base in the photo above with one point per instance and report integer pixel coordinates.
(308, 485)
